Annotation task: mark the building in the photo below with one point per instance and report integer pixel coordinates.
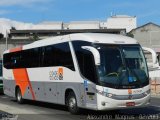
(25, 33)
(41, 34)
(83, 25)
(122, 21)
(148, 35)
(118, 24)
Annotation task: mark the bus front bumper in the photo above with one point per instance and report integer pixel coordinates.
(105, 103)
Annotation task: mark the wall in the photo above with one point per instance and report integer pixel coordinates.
(148, 36)
(12, 44)
(122, 21)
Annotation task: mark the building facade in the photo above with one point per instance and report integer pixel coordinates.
(148, 35)
(122, 21)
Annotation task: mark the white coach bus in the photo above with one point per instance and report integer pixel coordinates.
(85, 70)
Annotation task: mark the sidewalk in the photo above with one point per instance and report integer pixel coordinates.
(156, 96)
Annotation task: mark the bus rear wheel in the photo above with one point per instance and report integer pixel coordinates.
(72, 103)
(19, 96)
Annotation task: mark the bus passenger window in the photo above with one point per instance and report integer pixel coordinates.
(58, 55)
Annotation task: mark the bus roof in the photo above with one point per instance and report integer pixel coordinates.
(103, 38)
(90, 37)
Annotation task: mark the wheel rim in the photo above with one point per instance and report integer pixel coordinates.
(19, 96)
(72, 103)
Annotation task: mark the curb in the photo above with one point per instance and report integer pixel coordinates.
(155, 96)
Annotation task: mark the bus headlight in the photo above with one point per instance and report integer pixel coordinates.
(147, 92)
(109, 95)
(105, 94)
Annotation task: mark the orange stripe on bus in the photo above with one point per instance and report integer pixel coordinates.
(22, 80)
(15, 49)
(21, 77)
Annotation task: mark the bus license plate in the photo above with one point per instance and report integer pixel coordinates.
(130, 104)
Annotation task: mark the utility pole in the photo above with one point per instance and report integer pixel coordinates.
(6, 40)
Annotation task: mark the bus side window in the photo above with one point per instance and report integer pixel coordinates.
(30, 58)
(52, 55)
(58, 55)
(85, 60)
(63, 55)
(48, 56)
(22, 59)
(11, 60)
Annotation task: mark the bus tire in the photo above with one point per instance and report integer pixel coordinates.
(19, 98)
(72, 103)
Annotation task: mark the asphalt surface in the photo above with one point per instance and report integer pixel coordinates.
(11, 110)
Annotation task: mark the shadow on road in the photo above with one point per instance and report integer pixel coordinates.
(134, 112)
(44, 104)
(146, 113)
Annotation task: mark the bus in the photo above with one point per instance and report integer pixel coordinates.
(1, 82)
(83, 70)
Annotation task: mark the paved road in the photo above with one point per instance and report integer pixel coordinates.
(45, 111)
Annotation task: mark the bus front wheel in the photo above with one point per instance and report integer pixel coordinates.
(72, 103)
(19, 96)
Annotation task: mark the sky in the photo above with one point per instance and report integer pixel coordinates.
(36, 11)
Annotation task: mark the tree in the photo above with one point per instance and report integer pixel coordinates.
(13, 28)
(35, 37)
(130, 35)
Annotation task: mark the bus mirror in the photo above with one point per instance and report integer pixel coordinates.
(154, 63)
(95, 53)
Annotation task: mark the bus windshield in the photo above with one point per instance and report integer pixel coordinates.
(122, 66)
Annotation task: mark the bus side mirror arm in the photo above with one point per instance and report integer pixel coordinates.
(154, 56)
(95, 53)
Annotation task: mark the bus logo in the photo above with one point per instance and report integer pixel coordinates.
(56, 75)
(129, 91)
(60, 73)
